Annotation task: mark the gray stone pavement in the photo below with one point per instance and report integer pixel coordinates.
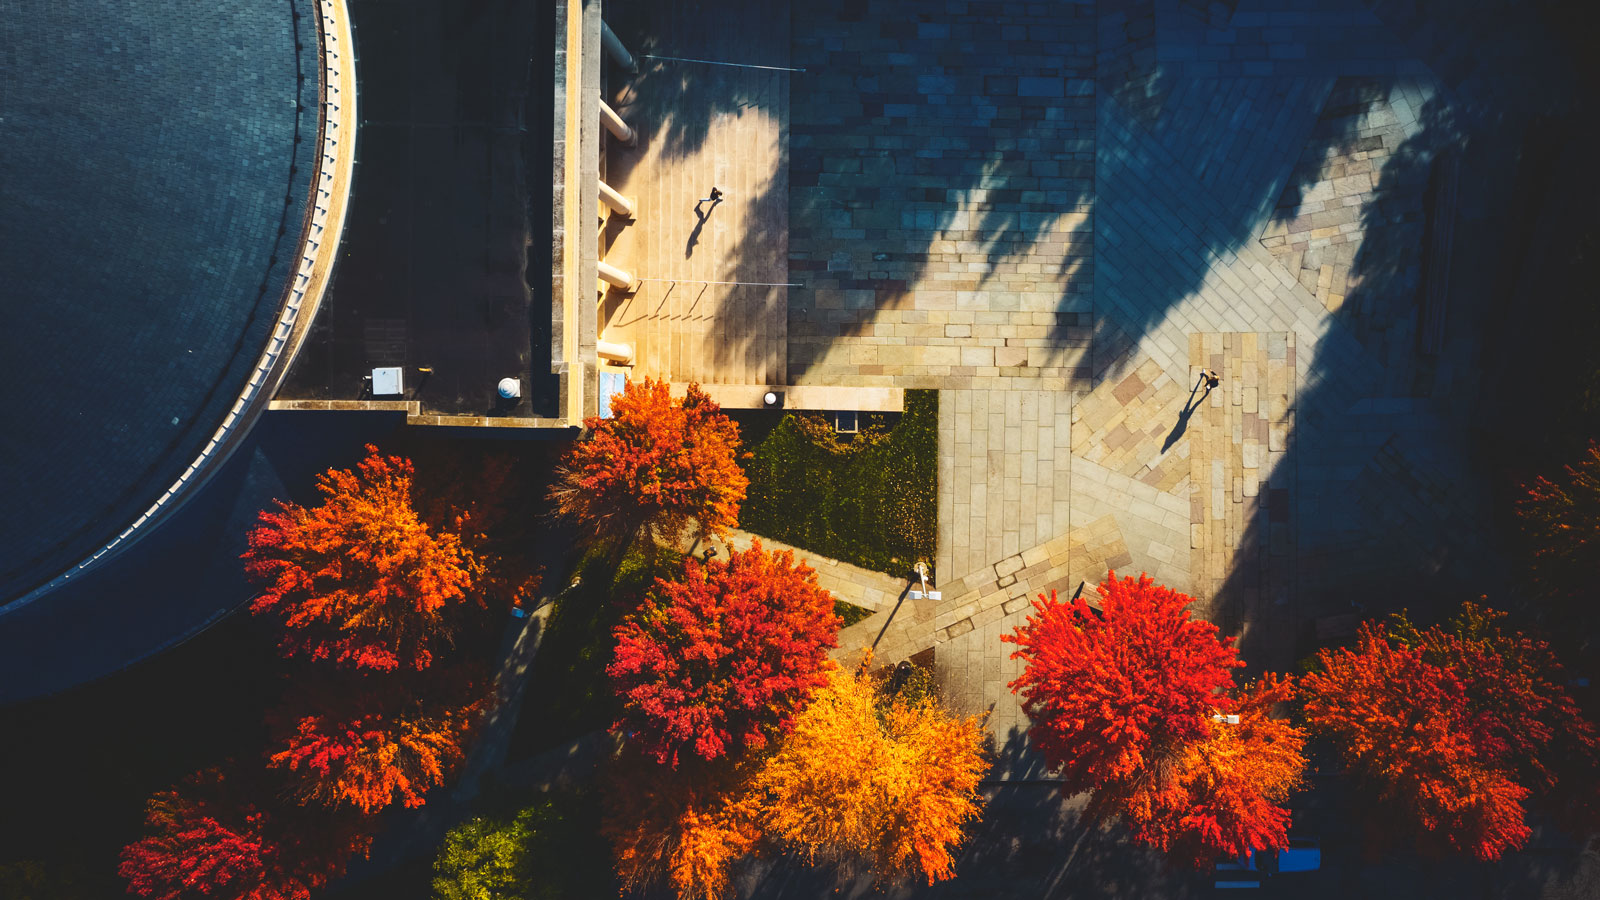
(1056, 214)
(1004, 479)
(941, 165)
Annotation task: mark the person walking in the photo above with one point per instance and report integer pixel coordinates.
(1211, 378)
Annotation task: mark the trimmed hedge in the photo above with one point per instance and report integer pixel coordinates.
(870, 502)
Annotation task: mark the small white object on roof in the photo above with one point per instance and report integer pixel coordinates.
(388, 381)
(511, 388)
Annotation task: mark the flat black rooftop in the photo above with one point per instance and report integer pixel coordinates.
(155, 174)
(430, 270)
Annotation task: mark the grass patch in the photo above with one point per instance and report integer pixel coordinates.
(568, 692)
(849, 612)
(868, 501)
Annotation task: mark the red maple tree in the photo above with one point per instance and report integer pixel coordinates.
(205, 841)
(1104, 691)
(361, 579)
(723, 658)
(1126, 704)
(654, 467)
(1220, 795)
(1454, 727)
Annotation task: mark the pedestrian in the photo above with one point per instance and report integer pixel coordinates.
(1212, 379)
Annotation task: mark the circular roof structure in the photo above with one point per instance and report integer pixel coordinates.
(154, 197)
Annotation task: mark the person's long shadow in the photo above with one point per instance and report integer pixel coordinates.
(1188, 410)
(694, 236)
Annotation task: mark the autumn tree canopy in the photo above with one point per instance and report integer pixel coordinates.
(685, 828)
(723, 658)
(205, 840)
(865, 782)
(373, 594)
(870, 782)
(656, 465)
(1103, 692)
(1222, 794)
(360, 579)
(1124, 704)
(1453, 727)
(367, 746)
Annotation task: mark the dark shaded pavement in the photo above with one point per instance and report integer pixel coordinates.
(430, 274)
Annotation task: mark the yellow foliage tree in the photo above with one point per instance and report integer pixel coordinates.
(868, 781)
(865, 782)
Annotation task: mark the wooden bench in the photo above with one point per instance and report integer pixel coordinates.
(1446, 179)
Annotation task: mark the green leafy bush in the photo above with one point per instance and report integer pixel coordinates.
(869, 501)
(550, 850)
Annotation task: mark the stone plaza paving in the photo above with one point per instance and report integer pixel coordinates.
(1058, 214)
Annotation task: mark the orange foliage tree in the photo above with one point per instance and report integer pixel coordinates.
(722, 659)
(364, 586)
(1453, 727)
(1222, 794)
(360, 580)
(685, 827)
(370, 746)
(655, 466)
(204, 840)
(1120, 703)
(867, 781)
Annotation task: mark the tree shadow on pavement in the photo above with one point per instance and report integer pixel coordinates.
(1385, 450)
(674, 103)
(912, 171)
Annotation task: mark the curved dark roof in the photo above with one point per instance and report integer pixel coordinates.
(157, 163)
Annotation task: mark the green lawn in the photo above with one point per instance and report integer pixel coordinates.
(868, 501)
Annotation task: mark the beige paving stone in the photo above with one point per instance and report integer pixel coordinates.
(1231, 472)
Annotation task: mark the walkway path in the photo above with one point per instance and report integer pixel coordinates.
(703, 126)
(1240, 490)
(852, 584)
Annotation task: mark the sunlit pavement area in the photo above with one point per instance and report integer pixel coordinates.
(1057, 215)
